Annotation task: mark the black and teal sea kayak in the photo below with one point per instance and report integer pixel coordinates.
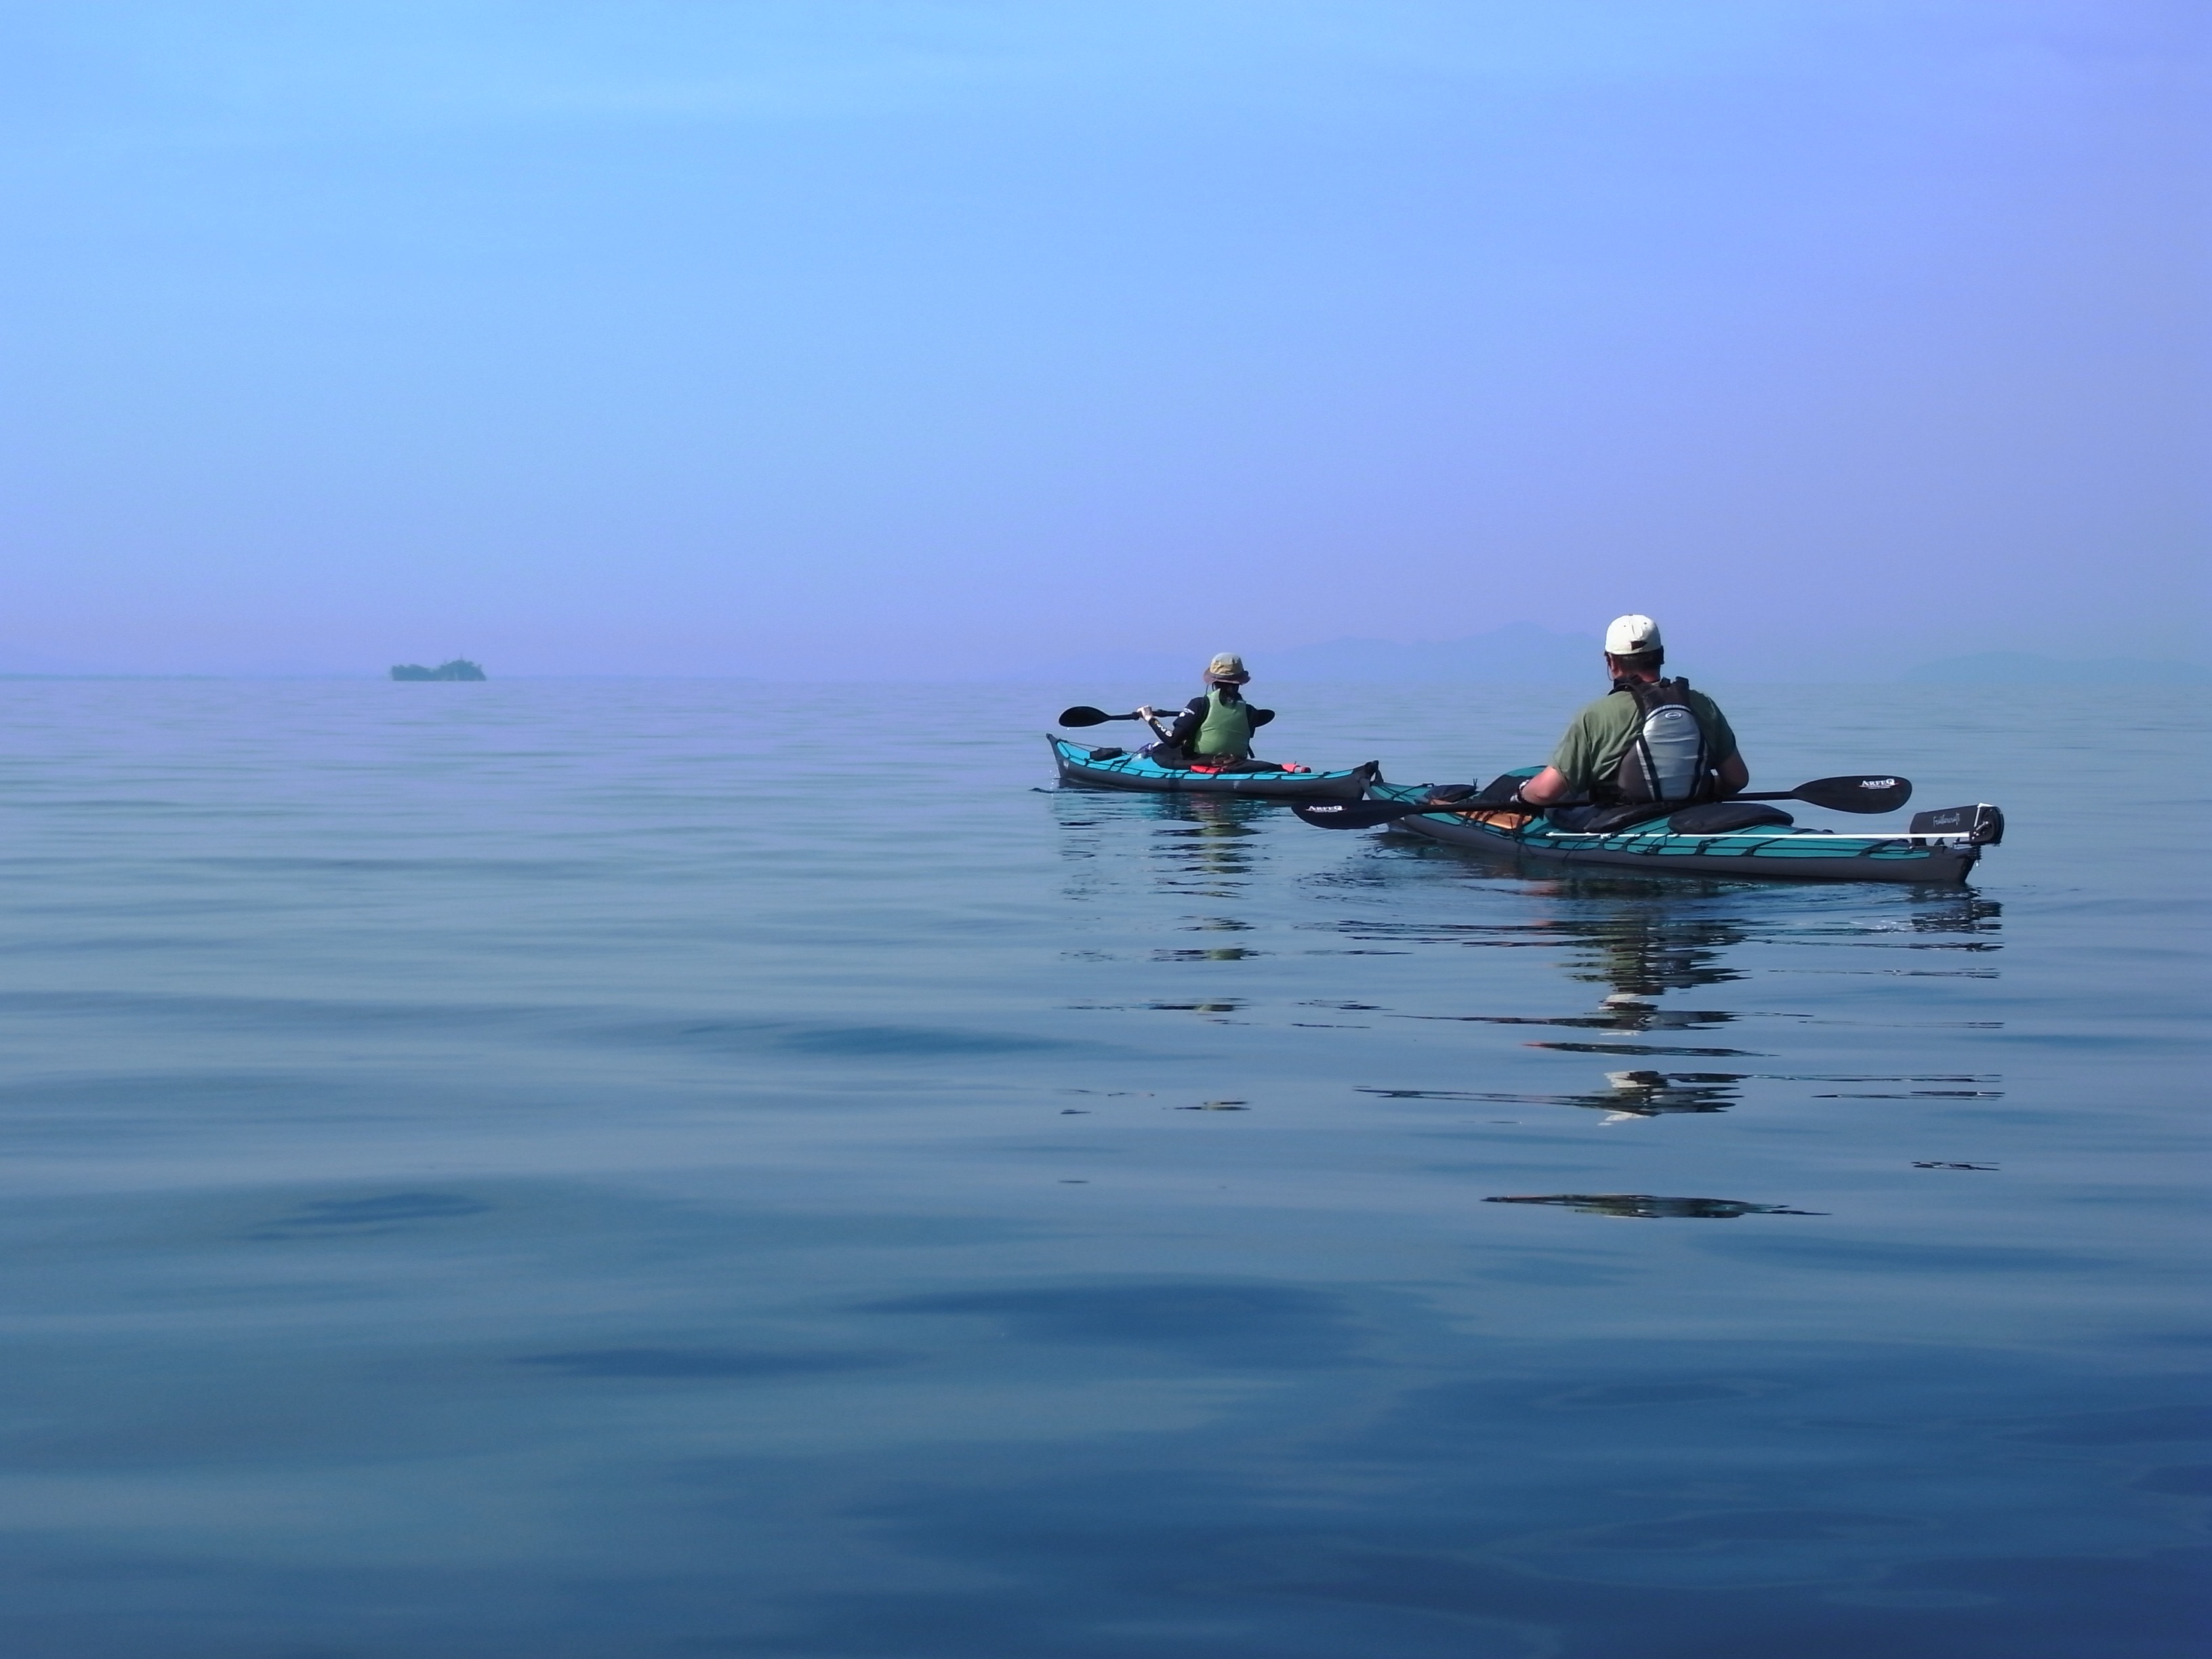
(1943, 854)
(1118, 769)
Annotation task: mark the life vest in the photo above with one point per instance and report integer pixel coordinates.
(1226, 731)
(1667, 758)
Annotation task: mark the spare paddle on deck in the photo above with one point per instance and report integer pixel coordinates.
(1858, 794)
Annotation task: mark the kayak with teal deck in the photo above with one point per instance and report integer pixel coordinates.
(1940, 847)
(1120, 769)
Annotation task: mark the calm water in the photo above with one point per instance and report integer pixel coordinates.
(554, 1170)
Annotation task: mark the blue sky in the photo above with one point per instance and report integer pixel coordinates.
(825, 339)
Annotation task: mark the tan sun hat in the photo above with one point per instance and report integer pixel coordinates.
(1226, 668)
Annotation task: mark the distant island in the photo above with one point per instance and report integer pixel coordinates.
(459, 669)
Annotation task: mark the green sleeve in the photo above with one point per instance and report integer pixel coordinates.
(1581, 751)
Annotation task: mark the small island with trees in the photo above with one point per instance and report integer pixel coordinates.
(459, 669)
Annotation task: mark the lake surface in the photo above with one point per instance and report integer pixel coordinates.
(570, 1170)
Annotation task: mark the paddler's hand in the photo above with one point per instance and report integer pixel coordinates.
(1549, 787)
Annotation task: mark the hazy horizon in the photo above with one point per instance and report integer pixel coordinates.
(944, 341)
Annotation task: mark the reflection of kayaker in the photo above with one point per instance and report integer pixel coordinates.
(1645, 1206)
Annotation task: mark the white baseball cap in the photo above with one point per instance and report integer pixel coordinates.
(1625, 636)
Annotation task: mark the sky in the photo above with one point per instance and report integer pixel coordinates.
(896, 340)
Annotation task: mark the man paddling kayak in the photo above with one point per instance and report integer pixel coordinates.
(1649, 739)
(1214, 730)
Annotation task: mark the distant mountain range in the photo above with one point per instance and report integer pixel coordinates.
(1525, 654)
(2024, 665)
(1520, 652)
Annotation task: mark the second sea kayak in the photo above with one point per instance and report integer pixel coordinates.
(1119, 769)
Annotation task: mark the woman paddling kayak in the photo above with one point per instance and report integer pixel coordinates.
(1214, 731)
(1207, 749)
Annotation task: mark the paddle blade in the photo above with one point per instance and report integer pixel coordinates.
(1366, 814)
(1867, 794)
(1354, 814)
(1083, 715)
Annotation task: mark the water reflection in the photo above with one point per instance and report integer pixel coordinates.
(1202, 845)
(1205, 844)
(1621, 1012)
(1641, 951)
(1646, 943)
(1643, 1093)
(1930, 910)
(1659, 938)
(1650, 1094)
(1626, 1094)
(1654, 1021)
(1644, 1206)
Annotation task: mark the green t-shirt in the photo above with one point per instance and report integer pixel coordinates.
(1601, 734)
